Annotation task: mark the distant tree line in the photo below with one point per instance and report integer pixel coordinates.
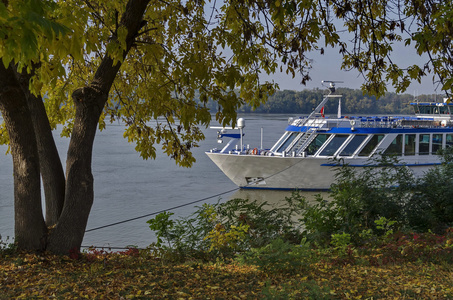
(352, 102)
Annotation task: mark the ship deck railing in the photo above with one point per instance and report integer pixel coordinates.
(372, 122)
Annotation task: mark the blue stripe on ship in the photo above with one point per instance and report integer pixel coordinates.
(283, 189)
(396, 165)
(371, 130)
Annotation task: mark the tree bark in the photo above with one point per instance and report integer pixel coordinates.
(89, 102)
(30, 229)
(79, 196)
(52, 174)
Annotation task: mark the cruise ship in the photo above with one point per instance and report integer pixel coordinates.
(305, 155)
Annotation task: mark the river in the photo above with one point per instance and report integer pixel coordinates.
(127, 187)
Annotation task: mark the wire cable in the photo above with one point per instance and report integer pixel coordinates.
(161, 211)
(112, 248)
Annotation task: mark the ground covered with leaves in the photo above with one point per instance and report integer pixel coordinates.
(138, 274)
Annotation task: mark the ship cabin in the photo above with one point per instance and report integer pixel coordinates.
(434, 110)
(361, 137)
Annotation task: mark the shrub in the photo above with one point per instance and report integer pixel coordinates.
(225, 229)
(381, 199)
(431, 207)
(359, 198)
(266, 223)
(183, 238)
(279, 256)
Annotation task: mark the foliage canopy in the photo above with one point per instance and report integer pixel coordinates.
(211, 48)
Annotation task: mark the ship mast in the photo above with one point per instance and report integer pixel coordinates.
(331, 88)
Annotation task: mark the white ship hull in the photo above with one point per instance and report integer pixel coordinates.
(287, 173)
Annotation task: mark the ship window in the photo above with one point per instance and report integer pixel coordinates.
(334, 145)
(287, 142)
(443, 110)
(431, 110)
(297, 141)
(409, 144)
(425, 109)
(436, 110)
(423, 145)
(353, 145)
(437, 143)
(371, 145)
(396, 146)
(281, 140)
(314, 146)
(449, 140)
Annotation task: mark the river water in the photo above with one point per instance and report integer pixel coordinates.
(127, 187)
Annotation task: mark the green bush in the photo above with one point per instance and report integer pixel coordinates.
(431, 207)
(358, 200)
(183, 238)
(266, 223)
(279, 256)
(225, 229)
(386, 189)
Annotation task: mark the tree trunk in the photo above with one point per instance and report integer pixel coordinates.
(79, 196)
(89, 102)
(49, 161)
(30, 228)
(52, 173)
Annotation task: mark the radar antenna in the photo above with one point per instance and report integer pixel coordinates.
(331, 83)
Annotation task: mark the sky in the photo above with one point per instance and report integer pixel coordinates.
(328, 67)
